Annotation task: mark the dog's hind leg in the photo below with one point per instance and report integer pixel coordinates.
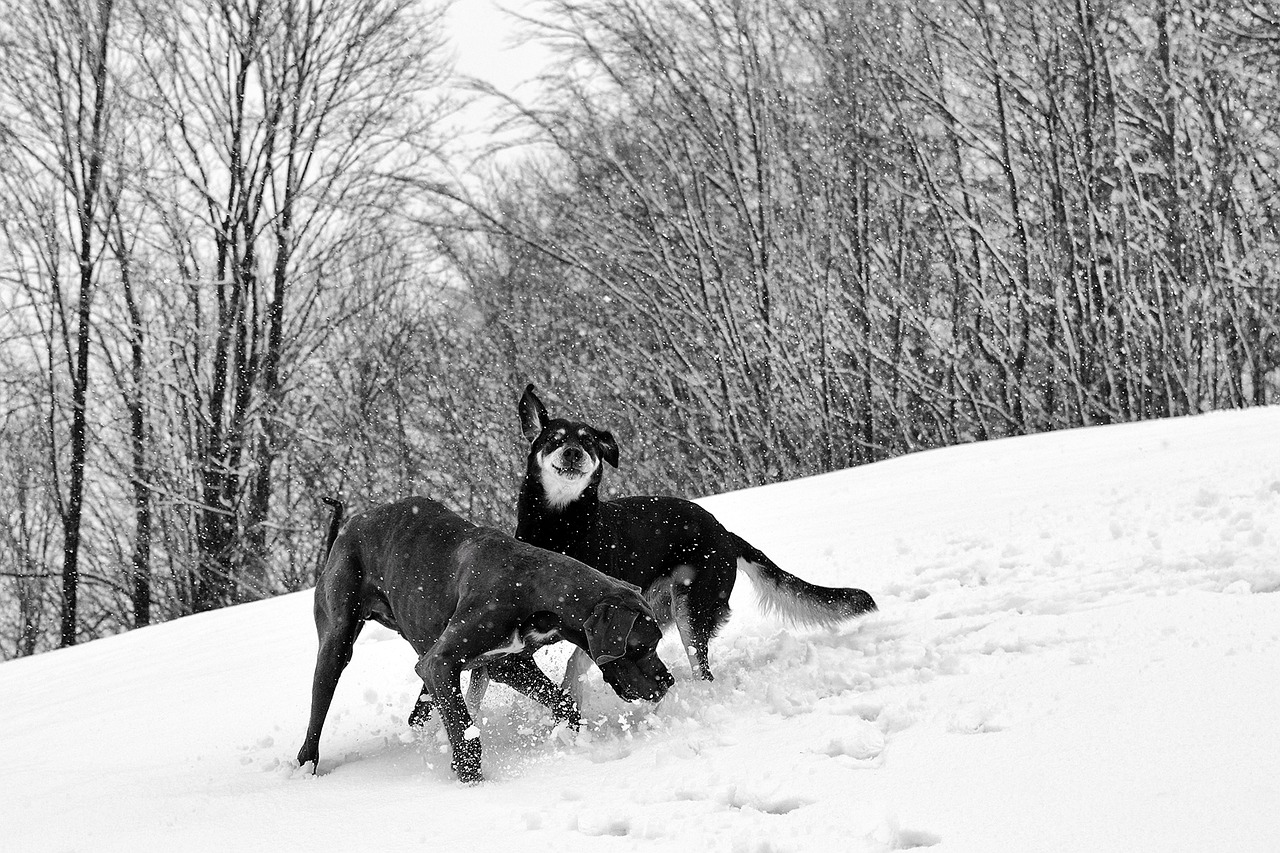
(522, 673)
(705, 608)
(682, 614)
(338, 626)
(334, 654)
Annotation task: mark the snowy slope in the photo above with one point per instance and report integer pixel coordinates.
(1078, 649)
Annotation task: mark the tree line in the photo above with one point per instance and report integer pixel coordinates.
(759, 239)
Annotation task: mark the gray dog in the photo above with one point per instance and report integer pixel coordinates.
(467, 596)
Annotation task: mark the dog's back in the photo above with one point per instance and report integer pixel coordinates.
(467, 596)
(375, 555)
(640, 539)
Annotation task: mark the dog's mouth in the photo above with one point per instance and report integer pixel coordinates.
(571, 472)
(635, 680)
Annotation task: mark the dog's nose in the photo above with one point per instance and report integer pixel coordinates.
(572, 455)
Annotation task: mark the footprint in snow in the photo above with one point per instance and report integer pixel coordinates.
(909, 839)
(864, 743)
(977, 719)
(769, 802)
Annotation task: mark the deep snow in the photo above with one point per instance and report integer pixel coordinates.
(1078, 648)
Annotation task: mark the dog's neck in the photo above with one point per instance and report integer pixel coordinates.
(550, 522)
(559, 493)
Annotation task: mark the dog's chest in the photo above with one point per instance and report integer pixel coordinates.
(521, 639)
(559, 491)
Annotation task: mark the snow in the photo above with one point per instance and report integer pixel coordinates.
(1078, 649)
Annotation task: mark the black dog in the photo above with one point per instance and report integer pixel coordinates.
(467, 596)
(677, 552)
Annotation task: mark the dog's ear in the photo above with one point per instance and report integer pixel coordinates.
(608, 447)
(533, 415)
(607, 629)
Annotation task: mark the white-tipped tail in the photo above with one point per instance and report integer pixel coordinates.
(798, 602)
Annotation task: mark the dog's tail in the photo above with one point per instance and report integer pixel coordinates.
(335, 524)
(786, 596)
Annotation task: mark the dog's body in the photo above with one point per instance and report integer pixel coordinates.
(464, 597)
(677, 552)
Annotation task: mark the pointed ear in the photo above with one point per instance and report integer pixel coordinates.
(608, 447)
(607, 629)
(533, 415)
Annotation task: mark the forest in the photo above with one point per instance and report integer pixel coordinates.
(248, 260)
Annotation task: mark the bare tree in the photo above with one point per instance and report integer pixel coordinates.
(910, 225)
(758, 238)
(279, 121)
(60, 113)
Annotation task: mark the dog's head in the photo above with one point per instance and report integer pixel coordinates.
(622, 638)
(565, 457)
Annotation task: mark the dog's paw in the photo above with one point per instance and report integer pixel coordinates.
(466, 762)
(468, 775)
(565, 732)
(566, 712)
(307, 756)
(310, 770)
(419, 715)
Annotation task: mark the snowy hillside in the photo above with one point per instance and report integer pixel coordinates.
(1078, 649)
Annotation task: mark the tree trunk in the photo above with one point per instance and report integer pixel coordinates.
(79, 373)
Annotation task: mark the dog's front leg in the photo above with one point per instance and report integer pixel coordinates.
(475, 695)
(421, 709)
(441, 672)
(521, 673)
(575, 672)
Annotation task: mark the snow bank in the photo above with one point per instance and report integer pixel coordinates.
(1077, 649)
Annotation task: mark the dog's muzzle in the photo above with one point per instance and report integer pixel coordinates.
(571, 462)
(645, 678)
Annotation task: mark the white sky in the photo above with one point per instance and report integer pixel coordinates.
(492, 45)
(490, 42)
